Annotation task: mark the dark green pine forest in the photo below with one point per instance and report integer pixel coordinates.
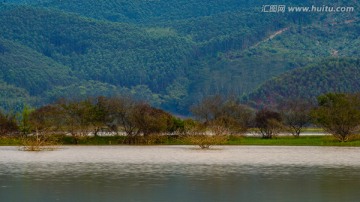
(173, 53)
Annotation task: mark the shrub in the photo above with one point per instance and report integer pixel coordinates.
(205, 141)
(39, 143)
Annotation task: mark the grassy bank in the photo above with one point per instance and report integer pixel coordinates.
(234, 140)
(292, 141)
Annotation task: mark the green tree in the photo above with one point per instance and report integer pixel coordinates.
(338, 114)
(25, 125)
(96, 114)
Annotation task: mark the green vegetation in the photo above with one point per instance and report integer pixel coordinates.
(122, 120)
(10, 141)
(123, 65)
(338, 114)
(293, 141)
(112, 57)
(169, 53)
(331, 75)
(232, 140)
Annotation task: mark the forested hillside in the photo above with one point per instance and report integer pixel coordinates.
(26, 68)
(171, 53)
(330, 75)
(117, 54)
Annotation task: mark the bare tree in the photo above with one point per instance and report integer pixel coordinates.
(236, 117)
(120, 115)
(223, 116)
(296, 115)
(208, 109)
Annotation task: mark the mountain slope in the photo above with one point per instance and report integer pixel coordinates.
(145, 12)
(119, 54)
(28, 69)
(331, 75)
(241, 72)
(171, 53)
(13, 98)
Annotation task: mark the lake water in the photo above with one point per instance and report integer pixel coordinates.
(180, 173)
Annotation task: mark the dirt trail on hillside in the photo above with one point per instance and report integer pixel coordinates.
(272, 36)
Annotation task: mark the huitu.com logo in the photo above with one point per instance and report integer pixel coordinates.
(306, 9)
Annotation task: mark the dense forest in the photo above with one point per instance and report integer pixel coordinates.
(330, 75)
(171, 53)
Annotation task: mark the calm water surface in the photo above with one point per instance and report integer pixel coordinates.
(181, 173)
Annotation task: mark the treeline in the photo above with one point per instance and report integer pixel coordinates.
(126, 116)
(112, 116)
(337, 113)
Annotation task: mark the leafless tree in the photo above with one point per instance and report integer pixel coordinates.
(296, 115)
(223, 116)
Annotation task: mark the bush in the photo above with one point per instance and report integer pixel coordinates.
(39, 143)
(205, 141)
